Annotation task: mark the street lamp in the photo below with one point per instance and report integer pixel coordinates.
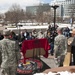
(19, 32)
(54, 7)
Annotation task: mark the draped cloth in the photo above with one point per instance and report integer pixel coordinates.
(35, 43)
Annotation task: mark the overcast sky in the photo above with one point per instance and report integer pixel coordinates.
(6, 4)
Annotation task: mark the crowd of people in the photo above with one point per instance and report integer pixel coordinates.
(10, 48)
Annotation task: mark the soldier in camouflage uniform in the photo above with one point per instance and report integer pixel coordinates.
(60, 47)
(10, 55)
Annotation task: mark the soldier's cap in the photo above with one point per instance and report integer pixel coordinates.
(59, 29)
(6, 32)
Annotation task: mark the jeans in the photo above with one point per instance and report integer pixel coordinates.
(52, 48)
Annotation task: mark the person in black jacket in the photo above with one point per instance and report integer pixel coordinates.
(30, 37)
(51, 42)
(71, 42)
(26, 34)
(73, 46)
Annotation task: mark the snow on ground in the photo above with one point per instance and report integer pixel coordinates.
(45, 26)
(29, 27)
(58, 73)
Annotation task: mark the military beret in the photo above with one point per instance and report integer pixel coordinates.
(6, 32)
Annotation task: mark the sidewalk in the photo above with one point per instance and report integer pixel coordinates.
(49, 61)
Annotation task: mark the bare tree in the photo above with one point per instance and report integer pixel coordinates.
(28, 16)
(39, 14)
(72, 16)
(72, 13)
(59, 19)
(15, 14)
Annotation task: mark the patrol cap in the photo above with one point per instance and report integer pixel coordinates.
(59, 29)
(6, 32)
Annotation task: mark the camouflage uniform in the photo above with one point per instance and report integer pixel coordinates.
(10, 56)
(60, 48)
